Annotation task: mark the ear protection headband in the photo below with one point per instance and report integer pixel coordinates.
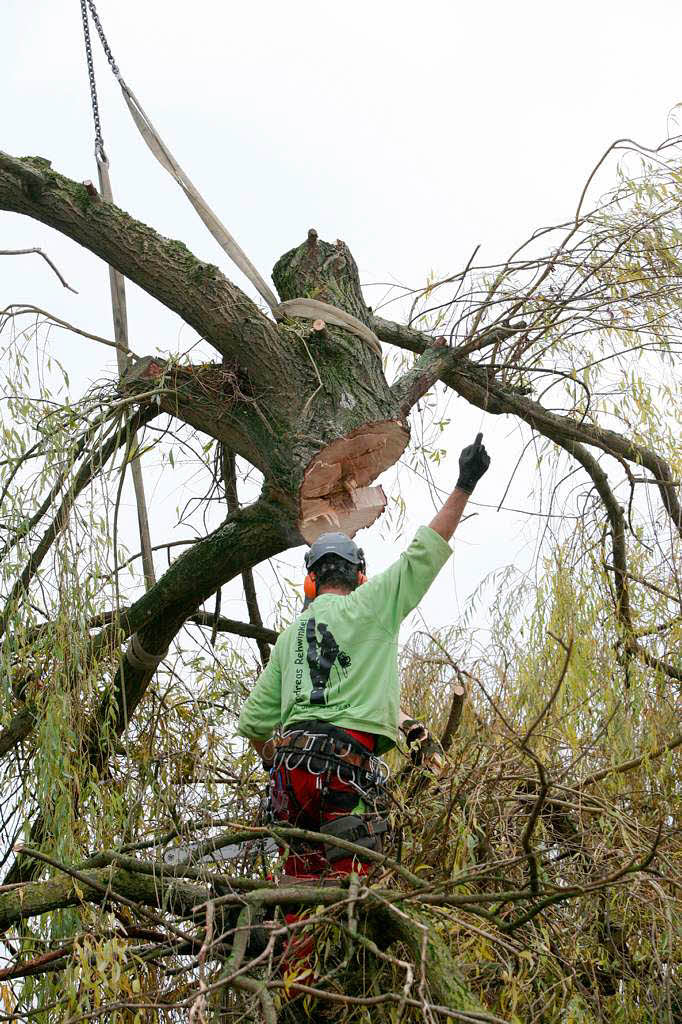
(310, 583)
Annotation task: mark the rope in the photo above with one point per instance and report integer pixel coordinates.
(307, 309)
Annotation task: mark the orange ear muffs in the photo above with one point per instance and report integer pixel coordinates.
(361, 578)
(310, 587)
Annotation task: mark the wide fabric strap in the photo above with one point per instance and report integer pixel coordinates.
(214, 225)
(327, 729)
(320, 751)
(308, 309)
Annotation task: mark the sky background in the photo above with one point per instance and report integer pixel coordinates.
(412, 131)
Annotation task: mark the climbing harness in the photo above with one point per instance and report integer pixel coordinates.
(366, 832)
(308, 309)
(320, 746)
(318, 773)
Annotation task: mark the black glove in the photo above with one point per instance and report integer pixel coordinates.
(415, 732)
(426, 753)
(473, 463)
(424, 750)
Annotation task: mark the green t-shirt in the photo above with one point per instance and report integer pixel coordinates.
(337, 662)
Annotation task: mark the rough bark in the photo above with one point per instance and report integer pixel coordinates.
(319, 270)
(294, 391)
(19, 727)
(35, 898)
(426, 946)
(198, 292)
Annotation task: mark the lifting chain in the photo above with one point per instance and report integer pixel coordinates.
(85, 4)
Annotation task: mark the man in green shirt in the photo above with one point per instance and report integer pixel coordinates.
(332, 689)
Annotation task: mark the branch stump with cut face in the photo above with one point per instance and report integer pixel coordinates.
(322, 432)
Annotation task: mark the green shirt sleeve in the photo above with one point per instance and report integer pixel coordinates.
(262, 710)
(393, 594)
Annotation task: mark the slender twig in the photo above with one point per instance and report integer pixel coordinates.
(39, 252)
(51, 318)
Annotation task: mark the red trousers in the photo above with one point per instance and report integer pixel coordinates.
(304, 800)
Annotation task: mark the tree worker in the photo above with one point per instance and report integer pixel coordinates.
(332, 691)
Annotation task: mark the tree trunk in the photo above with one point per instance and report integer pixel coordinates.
(325, 431)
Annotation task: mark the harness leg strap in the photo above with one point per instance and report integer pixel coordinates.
(366, 832)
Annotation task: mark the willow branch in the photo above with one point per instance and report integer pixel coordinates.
(39, 252)
(474, 383)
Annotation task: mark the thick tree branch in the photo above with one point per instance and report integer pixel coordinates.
(201, 618)
(20, 726)
(198, 292)
(428, 369)
(35, 898)
(247, 537)
(212, 398)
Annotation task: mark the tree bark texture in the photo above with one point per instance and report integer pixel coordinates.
(310, 408)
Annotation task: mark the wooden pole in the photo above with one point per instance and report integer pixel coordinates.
(120, 315)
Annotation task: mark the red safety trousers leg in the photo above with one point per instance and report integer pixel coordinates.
(298, 799)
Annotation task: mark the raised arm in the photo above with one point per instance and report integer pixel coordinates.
(473, 463)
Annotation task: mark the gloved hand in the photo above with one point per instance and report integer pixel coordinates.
(415, 732)
(473, 463)
(424, 750)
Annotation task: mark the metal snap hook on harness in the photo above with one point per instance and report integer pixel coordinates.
(320, 752)
(288, 757)
(379, 769)
(310, 740)
(350, 781)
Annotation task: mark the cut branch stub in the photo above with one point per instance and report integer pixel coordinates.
(322, 434)
(333, 495)
(212, 397)
(320, 270)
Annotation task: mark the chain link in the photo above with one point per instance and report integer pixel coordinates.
(103, 38)
(99, 141)
(85, 4)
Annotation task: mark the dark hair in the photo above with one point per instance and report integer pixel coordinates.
(333, 571)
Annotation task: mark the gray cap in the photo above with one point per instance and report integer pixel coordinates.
(334, 544)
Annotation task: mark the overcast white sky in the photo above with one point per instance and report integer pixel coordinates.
(413, 131)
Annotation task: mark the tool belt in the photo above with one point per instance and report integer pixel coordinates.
(320, 747)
